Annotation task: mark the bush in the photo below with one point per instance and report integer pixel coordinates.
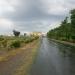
(15, 44)
(1, 38)
(27, 41)
(4, 43)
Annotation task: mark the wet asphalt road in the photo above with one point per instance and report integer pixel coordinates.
(54, 59)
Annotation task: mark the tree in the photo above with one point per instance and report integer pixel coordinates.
(73, 17)
(25, 34)
(66, 31)
(65, 21)
(16, 33)
(73, 23)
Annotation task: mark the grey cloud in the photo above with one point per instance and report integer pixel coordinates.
(30, 15)
(33, 12)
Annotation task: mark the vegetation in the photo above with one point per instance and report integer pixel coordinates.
(66, 31)
(16, 33)
(9, 42)
(15, 44)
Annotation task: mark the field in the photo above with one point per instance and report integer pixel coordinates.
(17, 54)
(10, 42)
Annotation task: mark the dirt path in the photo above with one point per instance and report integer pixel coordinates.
(17, 62)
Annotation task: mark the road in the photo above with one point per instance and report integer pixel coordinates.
(54, 59)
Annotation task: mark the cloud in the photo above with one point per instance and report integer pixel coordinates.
(5, 26)
(6, 7)
(31, 10)
(31, 15)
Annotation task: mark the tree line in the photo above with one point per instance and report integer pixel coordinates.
(66, 30)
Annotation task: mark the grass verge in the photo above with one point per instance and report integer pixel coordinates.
(64, 42)
(25, 68)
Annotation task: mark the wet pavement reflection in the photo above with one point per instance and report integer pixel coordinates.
(54, 59)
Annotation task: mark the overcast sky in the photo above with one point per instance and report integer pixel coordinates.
(32, 15)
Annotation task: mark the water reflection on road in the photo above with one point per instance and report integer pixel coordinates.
(54, 59)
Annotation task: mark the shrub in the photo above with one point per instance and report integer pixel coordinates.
(4, 43)
(15, 44)
(27, 41)
(1, 38)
